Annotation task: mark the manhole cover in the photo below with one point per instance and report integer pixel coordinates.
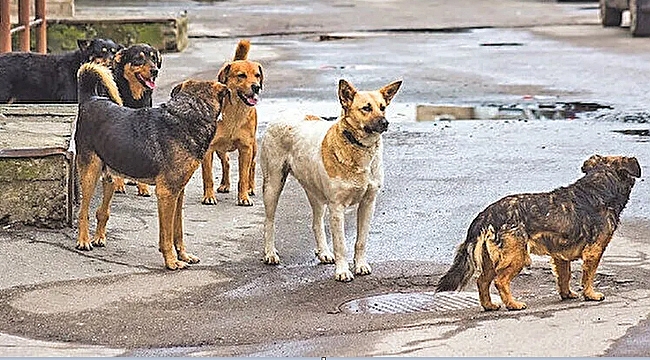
(400, 303)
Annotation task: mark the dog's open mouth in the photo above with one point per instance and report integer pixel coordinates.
(148, 82)
(248, 99)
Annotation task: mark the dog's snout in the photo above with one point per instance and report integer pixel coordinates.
(256, 88)
(382, 124)
(154, 72)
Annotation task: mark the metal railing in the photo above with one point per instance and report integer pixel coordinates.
(24, 26)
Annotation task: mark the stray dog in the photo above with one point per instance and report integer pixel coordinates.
(569, 223)
(339, 164)
(162, 146)
(238, 128)
(41, 78)
(135, 70)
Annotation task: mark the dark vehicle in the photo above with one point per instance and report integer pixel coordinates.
(611, 12)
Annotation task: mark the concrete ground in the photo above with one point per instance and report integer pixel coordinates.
(119, 300)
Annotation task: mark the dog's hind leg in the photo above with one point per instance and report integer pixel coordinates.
(562, 271)
(483, 282)
(275, 176)
(90, 167)
(365, 212)
(224, 185)
(337, 218)
(104, 210)
(514, 256)
(208, 183)
(179, 244)
(318, 227)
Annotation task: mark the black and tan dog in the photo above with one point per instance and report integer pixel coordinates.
(569, 223)
(162, 146)
(38, 78)
(238, 129)
(135, 69)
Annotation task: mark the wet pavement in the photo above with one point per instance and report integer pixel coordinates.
(119, 300)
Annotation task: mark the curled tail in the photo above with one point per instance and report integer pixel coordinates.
(93, 76)
(468, 259)
(241, 53)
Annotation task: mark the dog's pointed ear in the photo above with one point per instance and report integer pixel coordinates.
(83, 44)
(591, 163)
(389, 91)
(261, 77)
(222, 77)
(346, 93)
(176, 90)
(631, 166)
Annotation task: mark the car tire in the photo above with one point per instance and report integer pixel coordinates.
(639, 20)
(609, 16)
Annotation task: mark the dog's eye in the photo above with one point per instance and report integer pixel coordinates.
(241, 76)
(258, 75)
(367, 108)
(104, 50)
(382, 107)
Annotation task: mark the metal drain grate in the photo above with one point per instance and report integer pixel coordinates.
(401, 303)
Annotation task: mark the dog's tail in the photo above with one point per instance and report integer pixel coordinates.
(469, 257)
(91, 77)
(241, 53)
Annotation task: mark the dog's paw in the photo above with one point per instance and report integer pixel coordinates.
(131, 182)
(99, 241)
(223, 189)
(516, 305)
(272, 259)
(209, 200)
(491, 306)
(120, 190)
(362, 268)
(176, 265)
(188, 258)
(325, 256)
(144, 191)
(84, 245)
(594, 296)
(343, 276)
(244, 202)
(570, 295)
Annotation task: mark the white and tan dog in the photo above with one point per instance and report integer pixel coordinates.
(339, 164)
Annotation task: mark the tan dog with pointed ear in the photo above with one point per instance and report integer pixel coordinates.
(238, 128)
(339, 164)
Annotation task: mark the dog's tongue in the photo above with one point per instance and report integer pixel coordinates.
(150, 84)
(252, 100)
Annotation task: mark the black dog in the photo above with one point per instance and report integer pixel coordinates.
(569, 223)
(135, 70)
(33, 78)
(162, 146)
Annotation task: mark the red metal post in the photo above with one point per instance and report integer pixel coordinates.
(23, 20)
(5, 27)
(41, 32)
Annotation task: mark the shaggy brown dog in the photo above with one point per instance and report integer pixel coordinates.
(161, 146)
(569, 223)
(238, 128)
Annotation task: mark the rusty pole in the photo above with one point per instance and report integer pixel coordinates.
(41, 32)
(5, 27)
(23, 20)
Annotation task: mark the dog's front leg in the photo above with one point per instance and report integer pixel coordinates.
(318, 227)
(364, 217)
(167, 201)
(342, 272)
(590, 258)
(179, 244)
(245, 160)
